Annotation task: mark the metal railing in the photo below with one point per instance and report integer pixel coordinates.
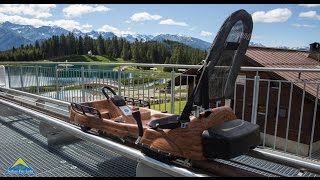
(280, 106)
(84, 82)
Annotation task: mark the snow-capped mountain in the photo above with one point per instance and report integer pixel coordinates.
(8, 39)
(32, 33)
(190, 41)
(95, 34)
(302, 48)
(14, 35)
(132, 37)
(253, 44)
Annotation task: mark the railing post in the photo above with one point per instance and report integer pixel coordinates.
(255, 99)
(37, 79)
(9, 77)
(119, 81)
(172, 90)
(82, 84)
(56, 81)
(21, 79)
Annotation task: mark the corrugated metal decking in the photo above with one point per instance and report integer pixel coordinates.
(20, 138)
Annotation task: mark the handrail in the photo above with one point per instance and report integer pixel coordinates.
(243, 68)
(46, 99)
(105, 63)
(272, 69)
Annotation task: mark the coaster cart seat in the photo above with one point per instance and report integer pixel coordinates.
(215, 133)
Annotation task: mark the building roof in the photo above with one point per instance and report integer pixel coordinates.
(284, 58)
(279, 58)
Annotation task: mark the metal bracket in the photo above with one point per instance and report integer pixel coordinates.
(56, 136)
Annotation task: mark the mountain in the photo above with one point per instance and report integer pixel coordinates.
(132, 37)
(95, 34)
(31, 33)
(302, 48)
(256, 44)
(14, 35)
(190, 41)
(8, 39)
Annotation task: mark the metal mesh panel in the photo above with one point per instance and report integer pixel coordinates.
(271, 167)
(20, 138)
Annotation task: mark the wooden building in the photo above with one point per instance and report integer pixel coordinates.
(304, 84)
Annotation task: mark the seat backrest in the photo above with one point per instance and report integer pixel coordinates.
(2, 76)
(226, 56)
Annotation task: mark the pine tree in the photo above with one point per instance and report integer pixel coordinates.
(100, 45)
(125, 55)
(80, 46)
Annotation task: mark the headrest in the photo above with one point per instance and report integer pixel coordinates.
(226, 56)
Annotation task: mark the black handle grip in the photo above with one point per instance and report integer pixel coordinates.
(104, 92)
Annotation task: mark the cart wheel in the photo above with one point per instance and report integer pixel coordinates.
(85, 128)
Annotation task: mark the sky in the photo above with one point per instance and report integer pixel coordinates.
(291, 25)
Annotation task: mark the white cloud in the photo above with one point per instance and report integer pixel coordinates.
(66, 24)
(144, 16)
(87, 26)
(35, 10)
(275, 15)
(303, 25)
(21, 20)
(172, 22)
(310, 14)
(127, 21)
(116, 31)
(192, 29)
(157, 33)
(79, 9)
(309, 5)
(205, 33)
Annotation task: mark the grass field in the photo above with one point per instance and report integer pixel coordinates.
(167, 107)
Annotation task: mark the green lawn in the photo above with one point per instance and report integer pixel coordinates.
(167, 107)
(49, 88)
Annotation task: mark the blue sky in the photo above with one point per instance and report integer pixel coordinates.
(290, 25)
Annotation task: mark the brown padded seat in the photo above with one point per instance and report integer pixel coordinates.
(113, 121)
(186, 142)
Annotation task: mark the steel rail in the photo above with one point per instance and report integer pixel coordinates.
(287, 159)
(38, 97)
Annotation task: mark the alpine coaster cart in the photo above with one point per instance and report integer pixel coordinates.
(215, 133)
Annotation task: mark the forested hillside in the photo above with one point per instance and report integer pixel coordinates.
(168, 52)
